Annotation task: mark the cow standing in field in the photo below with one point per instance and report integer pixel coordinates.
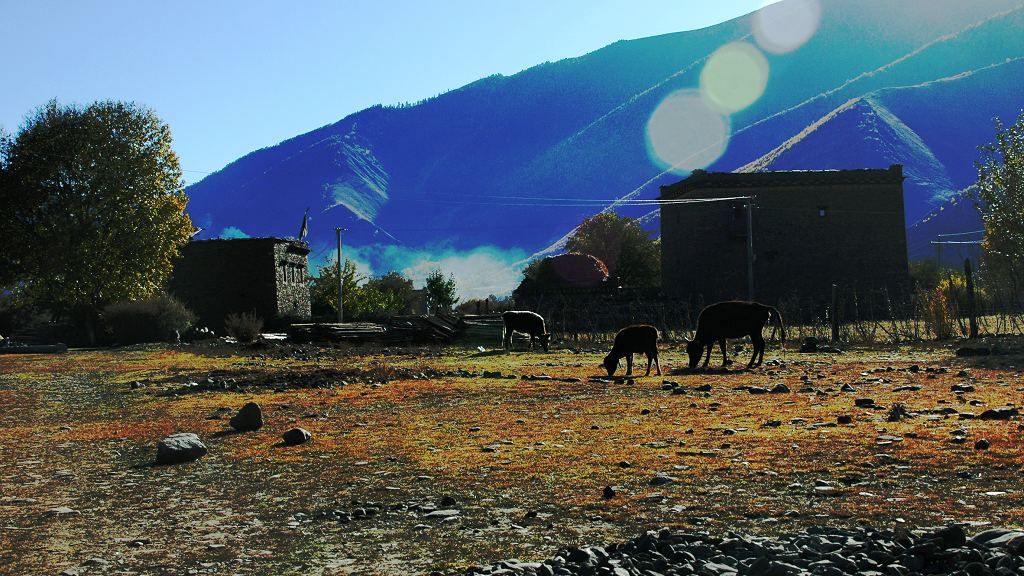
(732, 320)
(529, 323)
(637, 339)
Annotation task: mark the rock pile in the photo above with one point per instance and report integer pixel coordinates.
(818, 551)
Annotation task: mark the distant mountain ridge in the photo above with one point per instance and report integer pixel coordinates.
(913, 82)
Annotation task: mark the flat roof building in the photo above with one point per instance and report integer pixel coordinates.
(810, 229)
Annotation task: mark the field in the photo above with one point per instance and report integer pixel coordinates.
(523, 458)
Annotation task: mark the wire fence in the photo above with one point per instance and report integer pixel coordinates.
(858, 317)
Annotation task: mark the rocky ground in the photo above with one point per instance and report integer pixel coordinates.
(431, 459)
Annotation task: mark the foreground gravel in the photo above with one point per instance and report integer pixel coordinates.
(818, 551)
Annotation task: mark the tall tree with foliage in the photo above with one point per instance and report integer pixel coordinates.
(323, 289)
(623, 245)
(1000, 190)
(441, 292)
(94, 206)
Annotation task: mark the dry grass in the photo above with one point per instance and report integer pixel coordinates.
(73, 433)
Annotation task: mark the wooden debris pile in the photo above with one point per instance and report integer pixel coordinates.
(483, 326)
(396, 330)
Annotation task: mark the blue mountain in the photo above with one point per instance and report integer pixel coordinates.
(514, 162)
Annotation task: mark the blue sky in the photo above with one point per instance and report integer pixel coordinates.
(234, 76)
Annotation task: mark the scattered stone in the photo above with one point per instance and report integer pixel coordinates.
(442, 514)
(966, 351)
(780, 388)
(296, 436)
(248, 419)
(961, 388)
(998, 414)
(62, 511)
(844, 419)
(609, 493)
(864, 402)
(180, 448)
(661, 479)
(847, 388)
(982, 444)
(703, 388)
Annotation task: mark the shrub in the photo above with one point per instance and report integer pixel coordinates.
(244, 327)
(159, 318)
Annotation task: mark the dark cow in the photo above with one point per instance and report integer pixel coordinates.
(529, 323)
(639, 339)
(732, 320)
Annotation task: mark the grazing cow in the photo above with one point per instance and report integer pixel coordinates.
(640, 339)
(529, 323)
(732, 320)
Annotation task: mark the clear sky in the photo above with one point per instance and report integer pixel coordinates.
(234, 76)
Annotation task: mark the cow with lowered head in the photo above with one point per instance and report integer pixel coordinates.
(526, 322)
(734, 319)
(636, 339)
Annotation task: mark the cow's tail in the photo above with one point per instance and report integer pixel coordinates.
(776, 316)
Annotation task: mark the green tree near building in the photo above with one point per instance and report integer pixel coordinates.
(93, 208)
(372, 298)
(441, 292)
(632, 257)
(1000, 191)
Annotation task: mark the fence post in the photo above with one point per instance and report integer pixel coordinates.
(835, 314)
(971, 310)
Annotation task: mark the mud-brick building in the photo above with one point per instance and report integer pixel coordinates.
(810, 229)
(270, 276)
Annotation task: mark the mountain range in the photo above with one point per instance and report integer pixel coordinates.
(478, 178)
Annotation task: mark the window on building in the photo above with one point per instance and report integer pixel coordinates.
(822, 211)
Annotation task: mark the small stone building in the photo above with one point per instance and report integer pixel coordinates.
(810, 229)
(270, 276)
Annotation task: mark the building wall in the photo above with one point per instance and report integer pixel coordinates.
(811, 229)
(292, 282)
(215, 278)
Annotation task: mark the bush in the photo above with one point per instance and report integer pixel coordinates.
(159, 318)
(245, 327)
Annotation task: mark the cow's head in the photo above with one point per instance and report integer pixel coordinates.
(695, 350)
(610, 364)
(544, 339)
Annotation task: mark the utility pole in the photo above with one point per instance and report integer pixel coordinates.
(341, 314)
(750, 248)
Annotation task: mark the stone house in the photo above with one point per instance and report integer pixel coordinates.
(810, 229)
(218, 277)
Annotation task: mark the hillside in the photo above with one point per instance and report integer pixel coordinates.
(513, 162)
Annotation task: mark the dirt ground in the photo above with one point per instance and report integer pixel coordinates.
(524, 457)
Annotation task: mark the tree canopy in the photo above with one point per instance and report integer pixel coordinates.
(94, 206)
(632, 257)
(441, 292)
(1000, 189)
(364, 298)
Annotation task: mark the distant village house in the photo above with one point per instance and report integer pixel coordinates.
(810, 229)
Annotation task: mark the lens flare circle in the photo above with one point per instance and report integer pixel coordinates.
(734, 77)
(785, 26)
(684, 133)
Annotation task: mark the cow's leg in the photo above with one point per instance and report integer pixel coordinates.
(758, 341)
(629, 364)
(504, 338)
(656, 365)
(725, 357)
(649, 360)
(763, 345)
(707, 355)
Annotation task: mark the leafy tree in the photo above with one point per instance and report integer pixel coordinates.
(441, 292)
(374, 298)
(324, 289)
(1000, 190)
(393, 293)
(94, 207)
(624, 247)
